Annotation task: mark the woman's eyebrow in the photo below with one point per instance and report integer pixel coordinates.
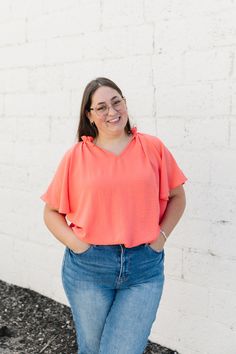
(111, 99)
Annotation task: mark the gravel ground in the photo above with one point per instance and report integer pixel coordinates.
(33, 324)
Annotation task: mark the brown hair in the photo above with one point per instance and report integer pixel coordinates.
(85, 127)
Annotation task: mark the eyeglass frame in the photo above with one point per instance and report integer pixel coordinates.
(108, 106)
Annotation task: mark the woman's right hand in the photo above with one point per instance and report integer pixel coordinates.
(78, 246)
(58, 226)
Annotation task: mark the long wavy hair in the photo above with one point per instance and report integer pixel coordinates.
(85, 127)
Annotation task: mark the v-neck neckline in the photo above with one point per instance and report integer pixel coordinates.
(90, 139)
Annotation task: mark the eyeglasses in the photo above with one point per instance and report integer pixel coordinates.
(103, 109)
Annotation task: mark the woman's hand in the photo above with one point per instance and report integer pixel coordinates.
(79, 246)
(173, 213)
(159, 243)
(58, 226)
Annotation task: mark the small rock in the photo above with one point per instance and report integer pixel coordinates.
(5, 332)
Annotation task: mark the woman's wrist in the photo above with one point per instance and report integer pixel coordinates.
(162, 232)
(76, 244)
(159, 243)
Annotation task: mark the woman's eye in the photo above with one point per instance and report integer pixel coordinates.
(117, 102)
(101, 108)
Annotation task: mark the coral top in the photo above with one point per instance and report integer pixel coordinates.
(112, 199)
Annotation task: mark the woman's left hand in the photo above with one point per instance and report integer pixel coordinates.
(158, 244)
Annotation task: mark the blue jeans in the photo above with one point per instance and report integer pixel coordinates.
(114, 293)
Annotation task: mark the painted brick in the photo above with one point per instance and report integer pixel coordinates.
(140, 64)
(46, 78)
(122, 42)
(76, 97)
(172, 131)
(207, 344)
(181, 34)
(14, 80)
(71, 21)
(145, 125)
(8, 149)
(26, 130)
(221, 168)
(8, 129)
(6, 176)
(213, 64)
(25, 9)
(20, 104)
(124, 13)
(168, 68)
(164, 9)
(196, 32)
(223, 241)
(200, 206)
(205, 269)
(38, 232)
(222, 307)
(58, 5)
(17, 227)
(225, 197)
(63, 129)
(5, 11)
(234, 98)
(48, 259)
(23, 201)
(28, 54)
(41, 282)
(156, 11)
(140, 103)
(199, 133)
(60, 50)
(136, 40)
(232, 133)
(192, 171)
(175, 328)
(233, 70)
(12, 33)
(30, 104)
(224, 31)
(57, 291)
(77, 75)
(191, 299)
(173, 262)
(199, 99)
(192, 234)
(2, 98)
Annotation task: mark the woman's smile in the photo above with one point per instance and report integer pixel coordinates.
(114, 120)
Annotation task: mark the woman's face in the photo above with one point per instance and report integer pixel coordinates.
(110, 121)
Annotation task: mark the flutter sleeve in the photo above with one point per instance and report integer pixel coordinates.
(170, 176)
(57, 194)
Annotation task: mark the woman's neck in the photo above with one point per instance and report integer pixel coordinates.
(113, 140)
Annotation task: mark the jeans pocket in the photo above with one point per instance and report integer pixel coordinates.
(153, 250)
(83, 252)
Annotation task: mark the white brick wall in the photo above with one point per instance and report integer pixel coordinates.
(176, 63)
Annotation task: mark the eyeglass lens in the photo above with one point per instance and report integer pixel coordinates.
(103, 109)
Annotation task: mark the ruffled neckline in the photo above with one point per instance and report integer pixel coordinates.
(90, 139)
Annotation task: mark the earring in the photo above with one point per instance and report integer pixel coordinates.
(92, 123)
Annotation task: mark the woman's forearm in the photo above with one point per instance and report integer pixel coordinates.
(173, 213)
(57, 225)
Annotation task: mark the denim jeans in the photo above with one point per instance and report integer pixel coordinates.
(114, 293)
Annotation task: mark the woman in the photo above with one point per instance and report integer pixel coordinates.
(121, 192)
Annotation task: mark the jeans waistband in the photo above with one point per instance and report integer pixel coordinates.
(121, 245)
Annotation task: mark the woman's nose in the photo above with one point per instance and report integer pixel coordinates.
(111, 110)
